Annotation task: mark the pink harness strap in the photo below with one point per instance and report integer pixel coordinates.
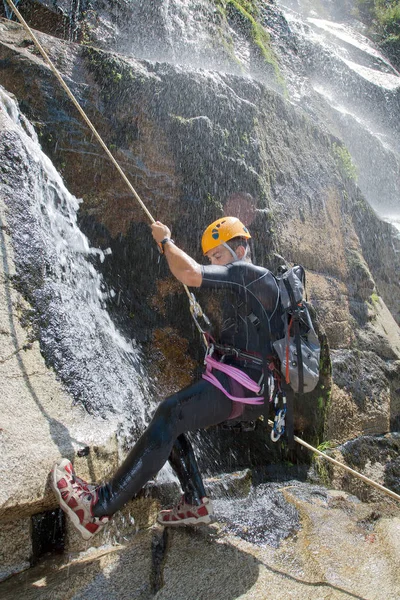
(235, 374)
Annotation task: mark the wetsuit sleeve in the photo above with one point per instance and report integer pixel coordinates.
(216, 276)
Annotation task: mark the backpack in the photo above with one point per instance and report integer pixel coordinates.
(298, 348)
(294, 367)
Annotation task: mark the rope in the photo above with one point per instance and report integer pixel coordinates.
(374, 484)
(152, 220)
(93, 129)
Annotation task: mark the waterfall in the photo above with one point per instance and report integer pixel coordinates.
(332, 70)
(339, 77)
(56, 270)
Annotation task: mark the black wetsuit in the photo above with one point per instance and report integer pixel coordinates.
(250, 295)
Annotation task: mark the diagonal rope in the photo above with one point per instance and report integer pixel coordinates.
(374, 484)
(79, 108)
(194, 306)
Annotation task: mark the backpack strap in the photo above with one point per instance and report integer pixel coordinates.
(263, 339)
(264, 336)
(289, 416)
(296, 334)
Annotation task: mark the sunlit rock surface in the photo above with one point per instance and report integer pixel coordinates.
(343, 549)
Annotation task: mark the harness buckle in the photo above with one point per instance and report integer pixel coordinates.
(209, 352)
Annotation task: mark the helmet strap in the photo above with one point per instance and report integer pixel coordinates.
(235, 256)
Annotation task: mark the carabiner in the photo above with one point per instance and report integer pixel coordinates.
(279, 425)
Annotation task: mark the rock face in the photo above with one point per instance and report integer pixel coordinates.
(344, 549)
(38, 422)
(196, 144)
(191, 139)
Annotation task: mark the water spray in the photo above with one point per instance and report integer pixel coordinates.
(195, 309)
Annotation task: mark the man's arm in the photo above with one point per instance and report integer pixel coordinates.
(182, 266)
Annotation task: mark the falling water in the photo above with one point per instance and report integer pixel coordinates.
(331, 69)
(56, 269)
(341, 78)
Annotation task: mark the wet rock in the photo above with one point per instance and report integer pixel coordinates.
(377, 457)
(263, 517)
(191, 140)
(38, 421)
(342, 547)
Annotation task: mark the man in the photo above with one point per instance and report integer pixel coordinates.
(231, 388)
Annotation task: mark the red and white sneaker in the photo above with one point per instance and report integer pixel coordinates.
(187, 514)
(77, 498)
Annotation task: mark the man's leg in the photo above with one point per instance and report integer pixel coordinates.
(194, 507)
(197, 406)
(183, 461)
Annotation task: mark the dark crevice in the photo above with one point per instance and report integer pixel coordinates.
(48, 534)
(159, 548)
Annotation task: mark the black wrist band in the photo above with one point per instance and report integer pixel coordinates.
(165, 240)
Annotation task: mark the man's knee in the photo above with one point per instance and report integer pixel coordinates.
(168, 409)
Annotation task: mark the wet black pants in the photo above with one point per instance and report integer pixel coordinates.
(195, 407)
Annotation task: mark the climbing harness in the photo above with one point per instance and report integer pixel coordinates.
(194, 306)
(247, 357)
(237, 374)
(276, 396)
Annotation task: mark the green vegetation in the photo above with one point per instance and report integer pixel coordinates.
(245, 13)
(344, 161)
(325, 446)
(112, 73)
(180, 119)
(358, 266)
(259, 35)
(321, 466)
(375, 298)
(229, 48)
(214, 206)
(383, 18)
(247, 6)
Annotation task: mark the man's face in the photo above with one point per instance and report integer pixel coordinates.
(219, 256)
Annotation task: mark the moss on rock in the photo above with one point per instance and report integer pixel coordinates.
(244, 15)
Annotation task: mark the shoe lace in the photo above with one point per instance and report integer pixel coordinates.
(80, 490)
(88, 488)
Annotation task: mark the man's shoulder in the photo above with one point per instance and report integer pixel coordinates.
(234, 269)
(239, 273)
(249, 268)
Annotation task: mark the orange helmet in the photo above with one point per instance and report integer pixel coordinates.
(221, 231)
